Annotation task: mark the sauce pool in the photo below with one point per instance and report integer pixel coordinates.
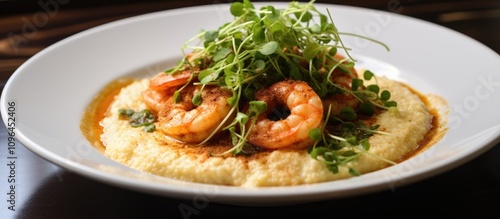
(437, 131)
(97, 110)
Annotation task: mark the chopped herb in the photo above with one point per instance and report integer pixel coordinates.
(143, 118)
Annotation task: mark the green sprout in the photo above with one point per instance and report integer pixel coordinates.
(262, 46)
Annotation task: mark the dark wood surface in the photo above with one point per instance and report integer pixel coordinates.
(47, 191)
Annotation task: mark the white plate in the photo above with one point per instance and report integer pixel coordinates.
(51, 90)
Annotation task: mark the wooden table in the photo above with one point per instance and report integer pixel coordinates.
(48, 191)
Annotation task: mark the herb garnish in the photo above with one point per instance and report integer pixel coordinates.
(343, 141)
(143, 118)
(263, 46)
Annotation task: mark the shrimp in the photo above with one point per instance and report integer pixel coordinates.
(306, 113)
(162, 86)
(164, 81)
(171, 81)
(192, 124)
(155, 99)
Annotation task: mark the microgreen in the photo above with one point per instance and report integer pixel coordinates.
(337, 145)
(262, 46)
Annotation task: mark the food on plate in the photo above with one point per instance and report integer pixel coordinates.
(272, 98)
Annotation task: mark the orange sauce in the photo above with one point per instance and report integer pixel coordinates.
(97, 110)
(437, 131)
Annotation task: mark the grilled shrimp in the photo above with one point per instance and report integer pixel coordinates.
(306, 113)
(164, 81)
(155, 99)
(192, 124)
(162, 86)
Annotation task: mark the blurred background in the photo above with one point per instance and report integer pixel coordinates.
(26, 27)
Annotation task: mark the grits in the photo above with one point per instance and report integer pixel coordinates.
(153, 153)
